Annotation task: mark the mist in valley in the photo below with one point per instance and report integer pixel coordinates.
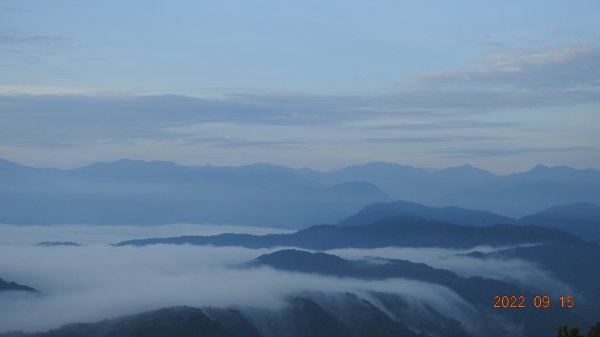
(98, 281)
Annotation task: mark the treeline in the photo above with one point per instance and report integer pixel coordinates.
(564, 331)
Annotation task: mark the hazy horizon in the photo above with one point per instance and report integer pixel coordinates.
(323, 170)
(323, 85)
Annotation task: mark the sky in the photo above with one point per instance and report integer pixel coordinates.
(323, 84)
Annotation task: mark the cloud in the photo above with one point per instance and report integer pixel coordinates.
(503, 95)
(499, 152)
(97, 281)
(9, 90)
(514, 271)
(445, 125)
(236, 142)
(523, 79)
(260, 143)
(90, 283)
(109, 234)
(68, 120)
(432, 139)
(575, 67)
(15, 38)
(29, 48)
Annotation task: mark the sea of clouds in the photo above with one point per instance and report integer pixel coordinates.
(97, 281)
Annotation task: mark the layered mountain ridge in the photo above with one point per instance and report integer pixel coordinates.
(158, 192)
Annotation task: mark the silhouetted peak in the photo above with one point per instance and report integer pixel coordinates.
(264, 166)
(294, 255)
(542, 169)
(580, 205)
(301, 260)
(467, 169)
(456, 215)
(578, 209)
(10, 165)
(539, 168)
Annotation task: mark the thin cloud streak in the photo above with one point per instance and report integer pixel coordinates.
(575, 67)
(434, 139)
(499, 152)
(446, 124)
(18, 235)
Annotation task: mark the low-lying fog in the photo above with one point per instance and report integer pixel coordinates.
(97, 281)
(515, 271)
(92, 234)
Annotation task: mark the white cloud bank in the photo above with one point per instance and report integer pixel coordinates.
(98, 281)
(514, 271)
(89, 283)
(108, 234)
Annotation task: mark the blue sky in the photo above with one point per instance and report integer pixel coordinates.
(501, 85)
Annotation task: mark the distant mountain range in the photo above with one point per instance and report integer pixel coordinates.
(514, 195)
(156, 192)
(386, 232)
(451, 214)
(138, 192)
(581, 219)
